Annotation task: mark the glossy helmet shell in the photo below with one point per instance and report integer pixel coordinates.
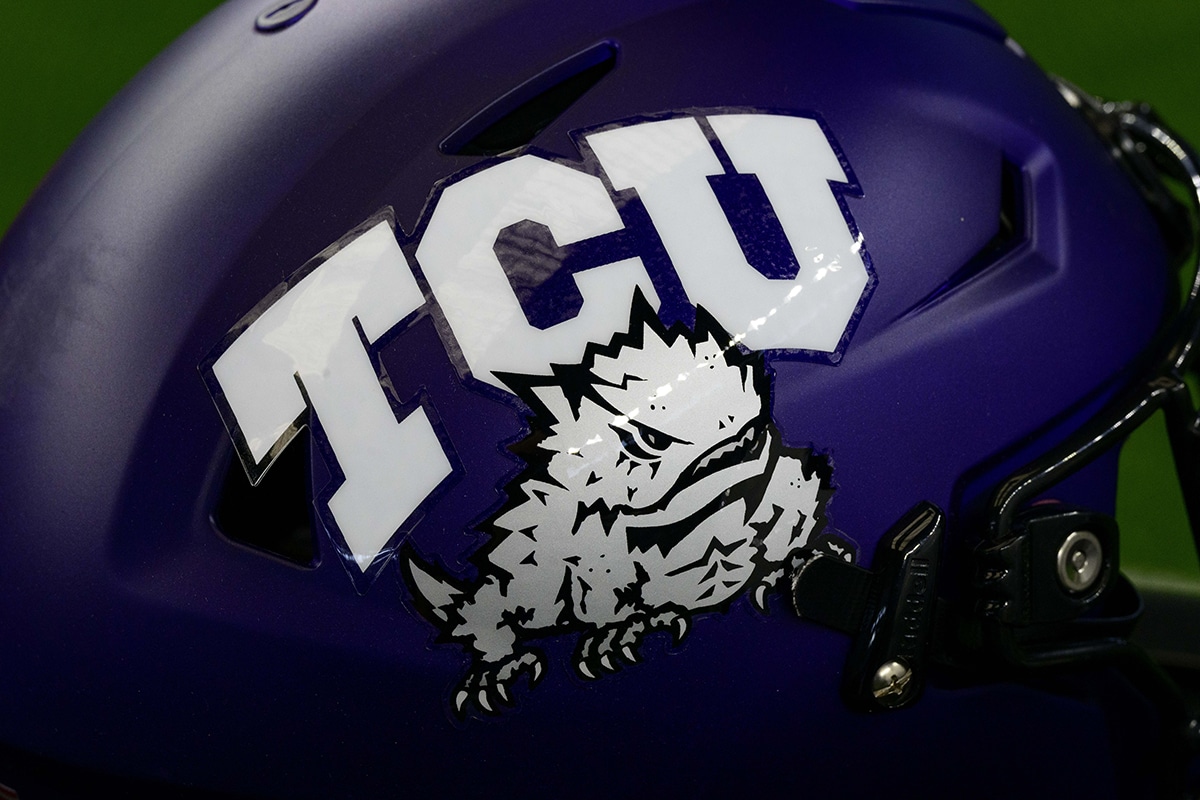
(1016, 275)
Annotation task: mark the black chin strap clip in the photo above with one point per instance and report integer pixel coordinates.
(888, 611)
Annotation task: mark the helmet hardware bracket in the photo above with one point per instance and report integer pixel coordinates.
(890, 611)
(1039, 601)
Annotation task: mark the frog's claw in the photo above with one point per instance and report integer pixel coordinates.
(489, 685)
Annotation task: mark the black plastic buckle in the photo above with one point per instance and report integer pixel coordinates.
(1052, 592)
(1054, 567)
(889, 611)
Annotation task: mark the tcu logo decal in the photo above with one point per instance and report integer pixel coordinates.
(679, 255)
(657, 487)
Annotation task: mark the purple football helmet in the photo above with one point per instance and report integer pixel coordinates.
(690, 398)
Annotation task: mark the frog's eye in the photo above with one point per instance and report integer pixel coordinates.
(642, 441)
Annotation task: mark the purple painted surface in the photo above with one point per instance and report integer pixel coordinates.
(139, 641)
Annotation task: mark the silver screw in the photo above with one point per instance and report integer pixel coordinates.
(891, 682)
(1079, 561)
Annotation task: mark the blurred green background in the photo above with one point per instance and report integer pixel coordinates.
(61, 61)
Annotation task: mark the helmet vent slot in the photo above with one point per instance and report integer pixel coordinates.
(274, 516)
(520, 115)
(1011, 232)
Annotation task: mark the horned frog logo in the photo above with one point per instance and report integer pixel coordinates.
(656, 488)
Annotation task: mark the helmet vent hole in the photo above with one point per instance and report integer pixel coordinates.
(273, 516)
(1011, 233)
(516, 118)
